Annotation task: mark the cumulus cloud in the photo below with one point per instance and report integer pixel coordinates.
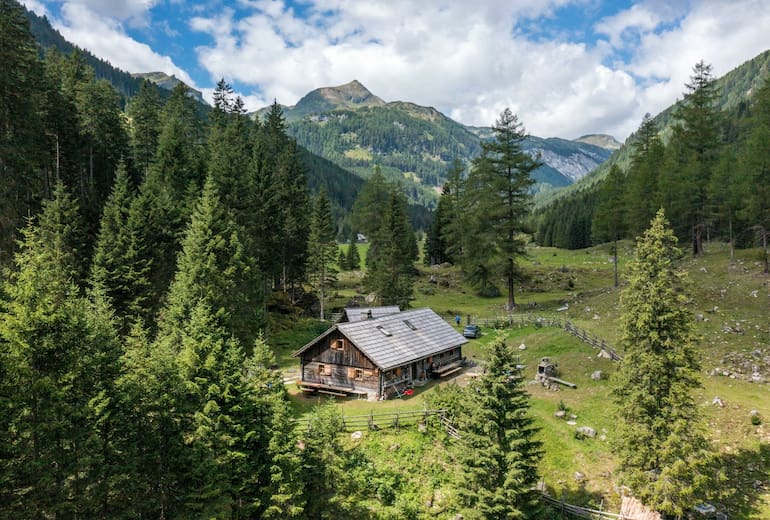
(468, 59)
(723, 34)
(96, 25)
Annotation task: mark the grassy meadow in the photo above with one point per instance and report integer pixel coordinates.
(730, 299)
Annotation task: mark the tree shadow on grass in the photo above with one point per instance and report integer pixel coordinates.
(747, 472)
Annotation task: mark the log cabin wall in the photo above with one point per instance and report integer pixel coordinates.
(335, 361)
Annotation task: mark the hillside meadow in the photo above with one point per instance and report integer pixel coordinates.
(730, 303)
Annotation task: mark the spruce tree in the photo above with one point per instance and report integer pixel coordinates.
(178, 161)
(610, 215)
(353, 258)
(391, 256)
(60, 354)
(370, 204)
(61, 228)
(323, 249)
(120, 269)
(660, 440)
(143, 112)
(697, 135)
(643, 192)
(213, 266)
(151, 407)
(454, 232)
(498, 451)
(756, 169)
(23, 150)
(342, 260)
(499, 184)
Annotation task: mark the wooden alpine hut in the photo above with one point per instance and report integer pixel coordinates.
(380, 358)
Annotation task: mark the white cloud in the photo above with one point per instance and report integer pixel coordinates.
(105, 37)
(724, 34)
(468, 59)
(36, 7)
(132, 11)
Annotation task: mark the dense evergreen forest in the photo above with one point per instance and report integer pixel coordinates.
(146, 242)
(707, 167)
(142, 249)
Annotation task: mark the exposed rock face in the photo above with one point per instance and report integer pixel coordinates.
(574, 166)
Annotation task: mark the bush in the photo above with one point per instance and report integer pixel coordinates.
(756, 420)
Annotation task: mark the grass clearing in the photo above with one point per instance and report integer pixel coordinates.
(729, 297)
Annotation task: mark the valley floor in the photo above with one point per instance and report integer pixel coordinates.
(730, 302)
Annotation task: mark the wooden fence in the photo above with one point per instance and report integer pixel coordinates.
(523, 320)
(400, 418)
(378, 421)
(580, 512)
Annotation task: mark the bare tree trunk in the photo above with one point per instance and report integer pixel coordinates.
(730, 227)
(511, 297)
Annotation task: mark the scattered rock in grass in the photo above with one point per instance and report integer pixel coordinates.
(597, 375)
(564, 307)
(394, 447)
(580, 476)
(560, 414)
(586, 431)
(704, 270)
(356, 435)
(572, 423)
(522, 347)
(717, 402)
(699, 317)
(754, 294)
(596, 317)
(422, 428)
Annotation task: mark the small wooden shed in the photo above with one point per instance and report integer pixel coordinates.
(380, 357)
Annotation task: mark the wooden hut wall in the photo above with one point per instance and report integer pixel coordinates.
(328, 351)
(336, 363)
(342, 376)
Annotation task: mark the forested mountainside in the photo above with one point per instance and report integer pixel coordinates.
(48, 37)
(704, 160)
(734, 92)
(413, 144)
(341, 186)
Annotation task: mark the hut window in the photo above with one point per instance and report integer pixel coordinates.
(384, 330)
(324, 370)
(410, 324)
(358, 374)
(338, 344)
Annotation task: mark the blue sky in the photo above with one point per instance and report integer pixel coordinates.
(566, 67)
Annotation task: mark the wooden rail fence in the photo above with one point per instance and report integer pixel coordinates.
(580, 512)
(523, 320)
(377, 421)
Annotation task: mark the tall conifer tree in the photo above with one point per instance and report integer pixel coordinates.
(500, 182)
(498, 451)
(323, 249)
(213, 266)
(120, 267)
(660, 439)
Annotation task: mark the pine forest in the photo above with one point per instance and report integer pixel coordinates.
(165, 263)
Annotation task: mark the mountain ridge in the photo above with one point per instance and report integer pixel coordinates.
(415, 144)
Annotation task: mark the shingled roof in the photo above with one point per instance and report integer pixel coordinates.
(362, 313)
(398, 339)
